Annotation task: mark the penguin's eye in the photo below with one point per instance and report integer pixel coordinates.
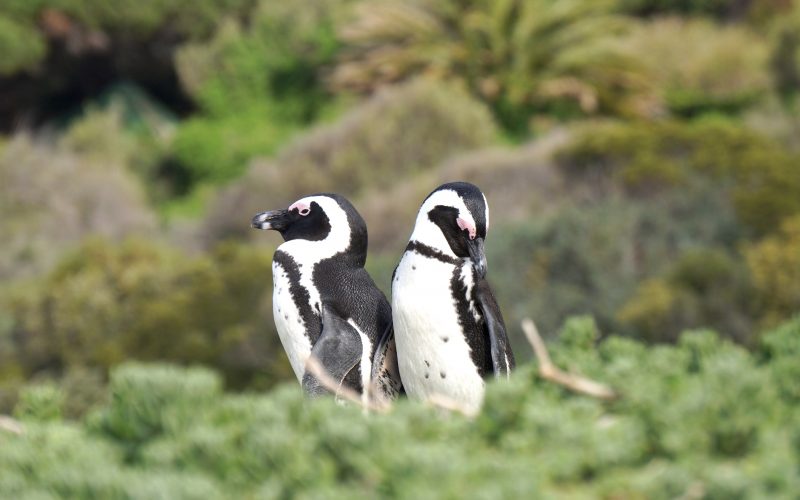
(302, 207)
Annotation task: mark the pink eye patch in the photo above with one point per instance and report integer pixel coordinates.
(301, 206)
(464, 224)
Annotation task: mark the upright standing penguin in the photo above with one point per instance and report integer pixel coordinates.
(448, 327)
(324, 302)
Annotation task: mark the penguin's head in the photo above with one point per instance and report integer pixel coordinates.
(454, 219)
(322, 221)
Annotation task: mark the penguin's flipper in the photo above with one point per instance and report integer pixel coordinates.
(502, 356)
(338, 350)
(385, 370)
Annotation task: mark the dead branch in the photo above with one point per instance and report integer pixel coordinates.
(10, 425)
(315, 367)
(549, 371)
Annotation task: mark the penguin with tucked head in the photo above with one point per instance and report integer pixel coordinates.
(324, 302)
(448, 328)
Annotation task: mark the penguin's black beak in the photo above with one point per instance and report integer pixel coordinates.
(478, 255)
(273, 219)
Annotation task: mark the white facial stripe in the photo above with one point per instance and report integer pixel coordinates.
(338, 239)
(486, 214)
(425, 231)
(308, 253)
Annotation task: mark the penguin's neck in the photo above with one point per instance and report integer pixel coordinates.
(308, 252)
(430, 235)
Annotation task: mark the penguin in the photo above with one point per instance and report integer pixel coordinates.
(324, 302)
(449, 331)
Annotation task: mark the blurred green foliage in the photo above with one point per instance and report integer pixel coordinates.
(52, 197)
(255, 85)
(521, 57)
(703, 287)
(786, 53)
(680, 214)
(703, 417)
(397, 133)
(759, 175)
(592, 257)
(105, 303)
(24, 46)
(698, 67)
(775, 266)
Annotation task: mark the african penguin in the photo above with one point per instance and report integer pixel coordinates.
(324, 302)
(448, 328)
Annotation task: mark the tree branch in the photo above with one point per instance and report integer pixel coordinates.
(10, 425)
(549, 371)
(315, 368)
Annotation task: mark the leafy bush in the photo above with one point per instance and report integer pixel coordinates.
(104, 304)
(51, 198)
(755, 10)
(699, 67)
(520, 57)
(786, 53)
(774, 264)
(23, 43)
(703, 417)
(255, 85)
(590, 257)
(22, 47)
(126, 127)
(759, 175)
(397, 133)
(703, 287)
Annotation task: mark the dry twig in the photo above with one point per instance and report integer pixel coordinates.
(11, 425)
(315, 367)
(549, 371)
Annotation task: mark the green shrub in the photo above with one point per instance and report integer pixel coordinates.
(521, 58)
(698, 67)
(774, 264)
(703, 417)
(51, 198)
(757, 174)
(40, 403)
(591, 257)
(255, 85)
(786, 53)
(22, 47)
(105, 304)
(150, 400)
(24, 44)
(397, 133)
(755, 10)
(703, 287)
(219, 149)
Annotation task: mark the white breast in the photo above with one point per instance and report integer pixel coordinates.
(434, 358)
(289, 322)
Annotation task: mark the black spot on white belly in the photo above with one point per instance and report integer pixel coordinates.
(445, 339)
(426, 363)
(443, 374)
(426, 375)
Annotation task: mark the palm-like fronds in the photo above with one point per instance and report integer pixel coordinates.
(520, 56)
